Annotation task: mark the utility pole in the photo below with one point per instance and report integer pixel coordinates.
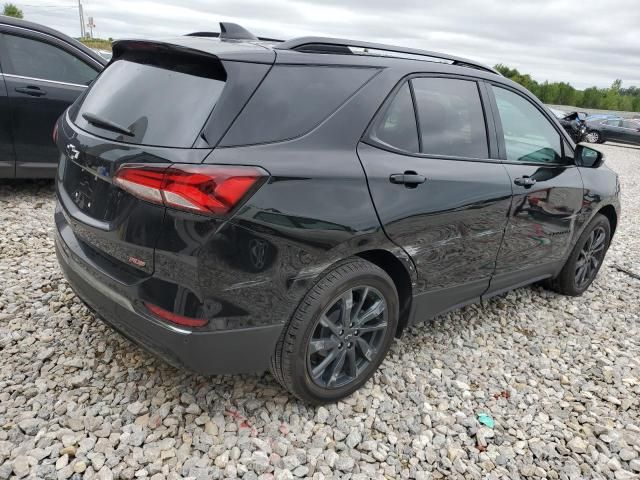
(91, 26)
(82, 32)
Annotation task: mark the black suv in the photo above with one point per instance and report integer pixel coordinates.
(236, 205)
(42, 72)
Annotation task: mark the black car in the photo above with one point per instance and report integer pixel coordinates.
(573, 122)
(42, 72)
(235, 206)
(613, 129)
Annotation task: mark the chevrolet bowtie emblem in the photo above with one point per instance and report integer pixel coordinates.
(72, 152)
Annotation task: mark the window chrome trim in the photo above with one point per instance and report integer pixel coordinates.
(10, 75)
(29, 30)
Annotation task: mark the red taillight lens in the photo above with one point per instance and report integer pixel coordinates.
(175, 318)
(208, 189)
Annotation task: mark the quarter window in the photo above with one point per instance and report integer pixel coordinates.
(36, 59)
(528, 136)
(631, 124)
(397, 127)
(450, 117)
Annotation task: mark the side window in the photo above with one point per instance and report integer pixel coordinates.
(397, 126)
(528, 135)
(36, 59)
(631, 124)
(613, 123)
(451, 118)
(292, 100)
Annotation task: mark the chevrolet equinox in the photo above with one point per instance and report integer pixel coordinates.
(238, 204)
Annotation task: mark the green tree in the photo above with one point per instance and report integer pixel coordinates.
(561, 93)
(10, 10)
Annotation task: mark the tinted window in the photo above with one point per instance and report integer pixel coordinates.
(161, 106)
(292, 100)
(450, 117)
(397, 126)
(613, 123)
(528, 135)
(35, 59)
(631, 124)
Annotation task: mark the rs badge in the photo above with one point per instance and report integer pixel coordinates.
(137, 262)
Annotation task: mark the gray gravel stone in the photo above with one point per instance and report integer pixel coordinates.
(560, 377)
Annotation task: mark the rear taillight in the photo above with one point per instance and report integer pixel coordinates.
(207, 189)
(174, 317)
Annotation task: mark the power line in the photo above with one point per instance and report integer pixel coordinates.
(47, 6)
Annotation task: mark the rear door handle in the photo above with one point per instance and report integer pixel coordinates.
(33, 91)
(525, 181)
(409, 179)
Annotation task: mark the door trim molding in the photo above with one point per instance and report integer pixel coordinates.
(22, 77)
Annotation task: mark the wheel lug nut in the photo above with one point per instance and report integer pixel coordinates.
(356, 332)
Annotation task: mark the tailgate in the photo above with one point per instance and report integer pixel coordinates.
(116, 229)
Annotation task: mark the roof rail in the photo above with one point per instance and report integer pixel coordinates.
(342, 46)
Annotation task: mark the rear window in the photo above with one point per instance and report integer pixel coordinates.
(451, 118)
(161, 101)
(397, 127)
(294, 99)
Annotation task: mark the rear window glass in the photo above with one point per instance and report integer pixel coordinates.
(162, 105)
(451, 117)
(293, 100)
(397, 127)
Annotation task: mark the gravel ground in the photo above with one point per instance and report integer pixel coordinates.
(559, 376)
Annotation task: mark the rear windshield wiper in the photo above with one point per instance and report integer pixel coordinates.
(106, 124)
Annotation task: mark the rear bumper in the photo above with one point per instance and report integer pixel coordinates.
(209, 352)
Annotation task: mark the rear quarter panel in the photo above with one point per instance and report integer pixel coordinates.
(314, 211)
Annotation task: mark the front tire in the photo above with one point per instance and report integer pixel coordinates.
(593, 136)
(339, 334)
(586, 258)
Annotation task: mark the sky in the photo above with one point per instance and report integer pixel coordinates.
(583, 42)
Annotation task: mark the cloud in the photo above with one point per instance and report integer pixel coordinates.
(585, 43)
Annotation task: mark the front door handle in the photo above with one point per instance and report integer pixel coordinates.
(409, 179)
(31, 90)
(525, 181)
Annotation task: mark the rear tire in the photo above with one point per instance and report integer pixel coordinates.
(586, 258)
(339, 334)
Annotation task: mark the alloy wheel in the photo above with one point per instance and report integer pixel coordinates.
(347, 337)
(593, 137)
(590, 257)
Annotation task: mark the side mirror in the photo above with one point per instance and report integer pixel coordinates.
(588, 157)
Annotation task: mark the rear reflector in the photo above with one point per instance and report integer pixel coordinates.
(207, 189)
(175, 318)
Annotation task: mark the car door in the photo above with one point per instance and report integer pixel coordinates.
(547, 190)
(437, 192)
(631, 131)
(43, 77)
(7, 158)
(613, 130)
